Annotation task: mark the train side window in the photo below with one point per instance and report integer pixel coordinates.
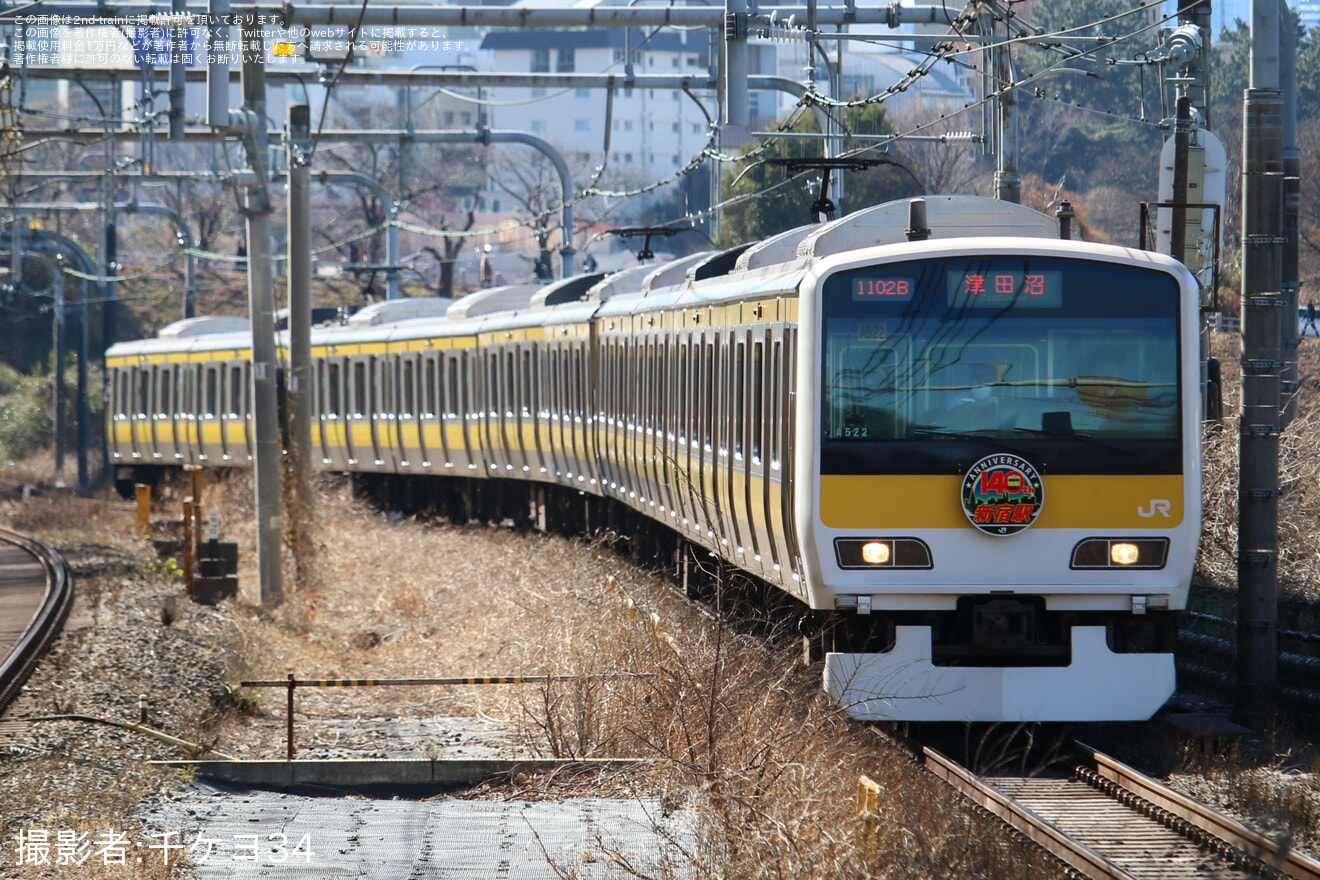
(235, 391)
(332, 372)
(708, 393)
(510, 385)
(646, 401)
(427, 405)
(758, 399)
(451, 398)
(143, 387)
(575, 392)
(373, 390)
(528, 383)
(212, 402)
(386, 396)
(406, 407)
(463, 392)
(163, 388)
(359, 388)
(554, 383)
(319, 408)
(777, 414)
(662, 390)
(739, 397)
(681, 408)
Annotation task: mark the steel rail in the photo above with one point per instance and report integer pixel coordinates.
(1072, 853)
(46, 623)
(1283, 859)
(1243, 851)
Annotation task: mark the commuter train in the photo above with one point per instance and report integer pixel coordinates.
(977, 453)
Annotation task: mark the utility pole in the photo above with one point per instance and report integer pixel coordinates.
(298, 149)
(56, 267)
(1262, 365)
(267, 451)
(179, 35)
(1008, 185)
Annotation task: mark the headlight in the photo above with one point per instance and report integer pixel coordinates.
(905, 553)
(1131, 553)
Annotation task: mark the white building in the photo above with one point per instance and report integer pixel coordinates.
(653, 133)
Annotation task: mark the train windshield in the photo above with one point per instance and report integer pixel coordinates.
(930, 365)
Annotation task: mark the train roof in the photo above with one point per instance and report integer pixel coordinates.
(394, 310)
(763, 268)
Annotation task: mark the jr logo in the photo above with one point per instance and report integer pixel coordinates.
(1160, 505)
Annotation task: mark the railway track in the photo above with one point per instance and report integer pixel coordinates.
(36, 592)
(1107, 820)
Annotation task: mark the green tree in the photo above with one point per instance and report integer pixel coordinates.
(773, 199)
(1080, 111)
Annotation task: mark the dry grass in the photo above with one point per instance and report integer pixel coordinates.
(738, 731)
(1299, 476)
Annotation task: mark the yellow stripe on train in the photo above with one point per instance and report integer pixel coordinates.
(1072, 501)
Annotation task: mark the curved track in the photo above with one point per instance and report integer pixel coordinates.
(1108, 820)
(36, 592)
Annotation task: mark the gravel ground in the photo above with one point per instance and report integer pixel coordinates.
(80, 777)
(76, 776)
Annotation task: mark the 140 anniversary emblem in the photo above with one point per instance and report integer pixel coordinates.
(1002, 494)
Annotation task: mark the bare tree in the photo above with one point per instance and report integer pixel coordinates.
(447, 255)
(427, 180)
(942, 167)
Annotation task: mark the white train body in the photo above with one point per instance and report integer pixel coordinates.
(978, 453)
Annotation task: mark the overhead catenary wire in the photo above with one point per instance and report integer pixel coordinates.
(711, 152)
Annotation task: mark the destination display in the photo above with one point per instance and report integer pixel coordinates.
(1004, 288)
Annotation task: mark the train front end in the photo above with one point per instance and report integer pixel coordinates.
(1005, 439)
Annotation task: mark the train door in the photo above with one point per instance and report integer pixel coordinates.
(185, 416)
(493, 411)
(357, 432)
(584, 406)
(208, 413)
(512, 424)
(741, 471)
(233, 435)
(162, 429)
(407, 440)
(320, 444)
(428, 428)
(139, 421)
(680, 418)
(467, 376)
(662, 449)
(639, 404)
(759, 498)
(452, 435)
(621, 412)
(553, 415)
(608, 418)
(785, 438)
(334, 414)
(724, 426)
(652, 451)
(376, 407)
(596, 404)
(646, 433)
(629, 409)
